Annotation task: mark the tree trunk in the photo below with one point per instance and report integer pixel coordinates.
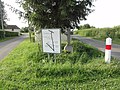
(68, 47)
(1, 17)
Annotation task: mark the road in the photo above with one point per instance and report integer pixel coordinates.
(7, 46)
(99, 44)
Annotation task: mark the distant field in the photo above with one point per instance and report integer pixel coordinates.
(27, 68)
(101, 33)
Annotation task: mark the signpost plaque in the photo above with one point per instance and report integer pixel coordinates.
(51, 40)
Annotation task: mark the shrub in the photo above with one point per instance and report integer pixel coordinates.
(100, 32)
(84, 58)
(1, 34)
(11, 34)
(8, 34)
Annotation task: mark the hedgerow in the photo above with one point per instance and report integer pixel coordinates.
(8, 34)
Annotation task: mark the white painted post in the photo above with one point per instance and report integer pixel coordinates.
(108, 50)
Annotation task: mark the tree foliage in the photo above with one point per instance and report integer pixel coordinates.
(3, 13)
(56, 13)
(24, 30)
(85, 26)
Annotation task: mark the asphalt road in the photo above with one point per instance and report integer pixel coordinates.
(7, 46)
(99, 44)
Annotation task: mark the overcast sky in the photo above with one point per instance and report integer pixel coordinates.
(106, 14)
(13, 19)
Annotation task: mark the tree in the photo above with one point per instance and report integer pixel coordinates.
(24, 30)
(85, 26)
(57, 13)
(64, 14)
(3, 15)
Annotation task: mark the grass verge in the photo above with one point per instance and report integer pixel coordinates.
(101, 33)
(114, 41)
(5, 39)
(27, 68)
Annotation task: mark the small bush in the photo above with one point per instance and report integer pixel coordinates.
(84, 58)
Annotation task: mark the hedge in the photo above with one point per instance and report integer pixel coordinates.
(8, 34)
(100, 32)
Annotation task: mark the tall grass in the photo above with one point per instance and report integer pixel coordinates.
(101, 33)
(27, 68)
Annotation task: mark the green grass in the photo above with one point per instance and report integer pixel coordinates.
(27, 68)
(5, 39)
(115, 41)
(101, 33)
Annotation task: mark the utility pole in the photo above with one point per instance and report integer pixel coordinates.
(1, 16)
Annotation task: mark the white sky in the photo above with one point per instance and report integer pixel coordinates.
(13, 19)
(106, 14)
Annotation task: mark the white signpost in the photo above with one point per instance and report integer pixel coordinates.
(51, 40)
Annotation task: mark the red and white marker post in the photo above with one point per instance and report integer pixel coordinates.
(108, 50)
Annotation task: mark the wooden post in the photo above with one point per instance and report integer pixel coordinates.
(68, 36)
